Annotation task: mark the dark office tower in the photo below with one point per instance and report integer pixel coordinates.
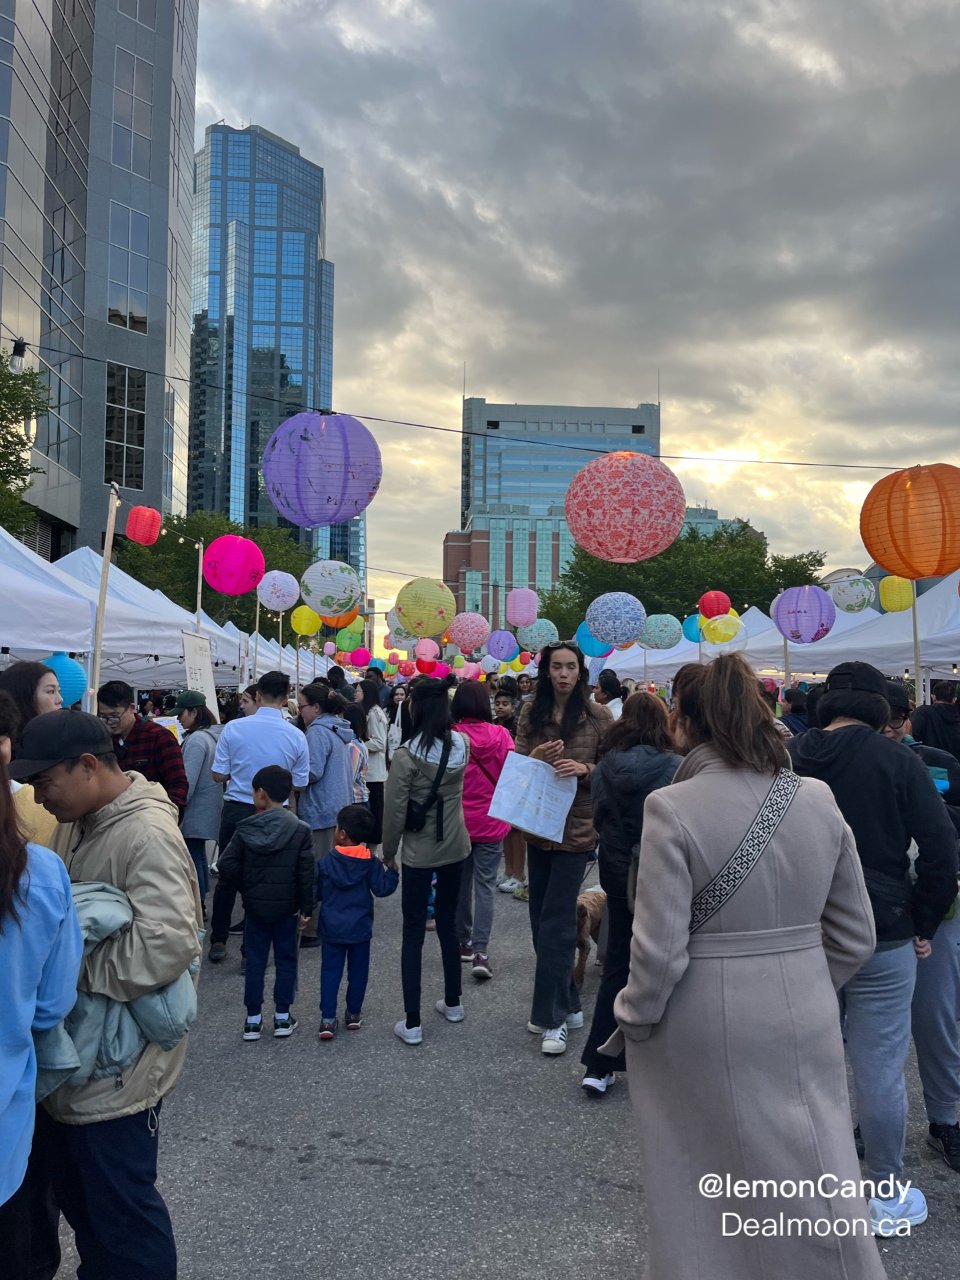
(263, 321)
(96, 143)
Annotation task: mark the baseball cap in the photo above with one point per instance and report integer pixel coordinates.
(896, 695)
(190, 699)
(57, 736)
(856, 676)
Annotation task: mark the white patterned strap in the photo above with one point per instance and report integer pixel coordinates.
(733, 873)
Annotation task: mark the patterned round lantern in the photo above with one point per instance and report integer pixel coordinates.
(399, 632)
(625, 507)
(425, 607)
(588, 644)
(427, 648)
(233, 565)
(71, 676)
(305, 621)
(331, 587)
(361, 657)
(538, 635)
(662, 631)
(736, 642)
(339, 620)
(279, 591)
(896, 594)
(803, 614)
(143, 526)
(406, 668)
(852, 595)
(910, 521)
(616, 618)
(714, 603)
(469, 631)
(691, 628)
(522, 606)
(721, 629)
(503, 645)
(321, 469)
(489, 664)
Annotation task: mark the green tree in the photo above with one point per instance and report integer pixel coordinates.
(23, 398)
(735, 560)
(171, 564)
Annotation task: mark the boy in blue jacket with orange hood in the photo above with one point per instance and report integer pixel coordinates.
(348, 879)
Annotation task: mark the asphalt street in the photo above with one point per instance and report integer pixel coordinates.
(472, 1155)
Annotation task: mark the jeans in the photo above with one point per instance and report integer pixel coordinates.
(356, 955)
(554, 880)
(875, 1007)
(197, 848)
(376, 790)
(414, 896)
(224, 896)
(936, 1033)
(104, 1178)
(616, 970)
(477, 890)
(258, 935)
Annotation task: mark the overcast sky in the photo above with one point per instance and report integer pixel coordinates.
(760, 198)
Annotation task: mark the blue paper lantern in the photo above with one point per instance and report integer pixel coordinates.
(691, 628)
(378, 663)
(663, 631)
(503, 645)
(539, 634)
(588, 644)
(616, 618)
(72, 677)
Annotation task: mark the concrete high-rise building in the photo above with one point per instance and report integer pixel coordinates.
(517, 461)
(263, 321)
(96, 154)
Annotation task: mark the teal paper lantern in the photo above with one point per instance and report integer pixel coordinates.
(691, 628)
(71, 675)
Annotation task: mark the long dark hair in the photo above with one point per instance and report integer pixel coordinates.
(21, 681)
(471, 702)
(543, 708)
(430, 713)
(353, 714)
(371, 695)
(643, 722)
(723, 706)
(13, 854)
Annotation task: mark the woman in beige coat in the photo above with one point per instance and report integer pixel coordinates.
(733, 1045)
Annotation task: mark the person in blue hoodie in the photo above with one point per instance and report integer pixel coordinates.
(348, 879)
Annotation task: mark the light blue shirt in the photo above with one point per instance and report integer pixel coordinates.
(39, 965)
(247, 745)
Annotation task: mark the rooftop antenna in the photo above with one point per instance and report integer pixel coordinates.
(464, 379)
(658, 386)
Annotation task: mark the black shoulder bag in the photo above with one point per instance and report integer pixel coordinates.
(417, 810)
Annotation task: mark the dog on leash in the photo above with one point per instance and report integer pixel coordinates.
(590, 908)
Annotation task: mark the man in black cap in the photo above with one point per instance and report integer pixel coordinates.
(888, 798)
(97, 1142)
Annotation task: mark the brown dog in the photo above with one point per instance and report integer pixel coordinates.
(590, 908)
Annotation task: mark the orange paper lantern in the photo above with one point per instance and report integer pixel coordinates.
(910, 521)
(339, 620)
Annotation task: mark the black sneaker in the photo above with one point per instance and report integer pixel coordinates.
(284, 1024)
(858, 1142)
(328, 1028)
(308, 944)
(237, 928)
(218, 952)
(354, 1021)
(945, 1138)
(252, 1028)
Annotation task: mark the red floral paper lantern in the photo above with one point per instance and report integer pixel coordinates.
(233, 565)
(143, 525)
(406, 668)
(625, 507)
(714, 603)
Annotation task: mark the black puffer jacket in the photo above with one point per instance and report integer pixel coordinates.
(620, 785)
(270, 861)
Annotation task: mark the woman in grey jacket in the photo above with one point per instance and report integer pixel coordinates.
(439, 848)
(201, 814)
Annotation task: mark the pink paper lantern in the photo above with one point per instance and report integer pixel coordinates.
(393, 657)
(522, 606)
(625, 507)
(468, 631)
(426, 649)
(361, 657)
(233, 565)
(441, 670)
(329, 648)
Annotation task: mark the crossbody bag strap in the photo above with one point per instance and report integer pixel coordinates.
(735, 870)
(430, 799)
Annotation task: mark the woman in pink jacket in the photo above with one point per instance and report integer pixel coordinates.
(489, 746)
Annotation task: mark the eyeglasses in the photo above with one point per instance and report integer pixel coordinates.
(897, 722)
(110, 717)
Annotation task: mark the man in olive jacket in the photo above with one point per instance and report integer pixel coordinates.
(96, 1144)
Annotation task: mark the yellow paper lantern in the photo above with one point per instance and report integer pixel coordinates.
(425, 607)
(517, 665)
(896, 594)
(721, 629)
(305, 621)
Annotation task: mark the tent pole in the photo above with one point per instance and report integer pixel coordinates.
(256, 643)
(786, 662)
(102, 602)
(199, 584)
(298, 668)
(280, 637)
(917, 673)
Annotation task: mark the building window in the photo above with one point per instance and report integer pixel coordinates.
(264, 299)
(543, 561)
(132, 112)
(638, 429)
(142, 11)
(169, 418)
(129, 267)
(291, 300)
(125, 426)
(238, 157)
(265, 204)
(238, 201)
(493, 426)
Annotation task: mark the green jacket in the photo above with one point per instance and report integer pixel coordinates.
(411, 775)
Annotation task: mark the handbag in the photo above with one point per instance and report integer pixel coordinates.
(738, 866)
(417, 810)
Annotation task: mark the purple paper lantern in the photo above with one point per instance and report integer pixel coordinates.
(321, 469)
(503, 646)
(803, 614)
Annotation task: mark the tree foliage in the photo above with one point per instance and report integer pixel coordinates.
(735, 560)
(171, 565)
(23, 398)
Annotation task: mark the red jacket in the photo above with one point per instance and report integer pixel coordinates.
(489, 747)
(152, 750)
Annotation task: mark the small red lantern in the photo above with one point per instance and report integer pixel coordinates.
(143, 525)
(406, 668)
(426, 666)
(714, 603)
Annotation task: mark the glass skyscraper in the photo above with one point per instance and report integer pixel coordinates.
(96, 145)
(263, 321)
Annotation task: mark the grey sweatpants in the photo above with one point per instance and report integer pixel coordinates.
(477, 892)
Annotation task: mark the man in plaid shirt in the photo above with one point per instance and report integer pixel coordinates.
(141, 745)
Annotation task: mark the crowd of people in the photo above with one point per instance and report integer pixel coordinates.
(780, 880)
